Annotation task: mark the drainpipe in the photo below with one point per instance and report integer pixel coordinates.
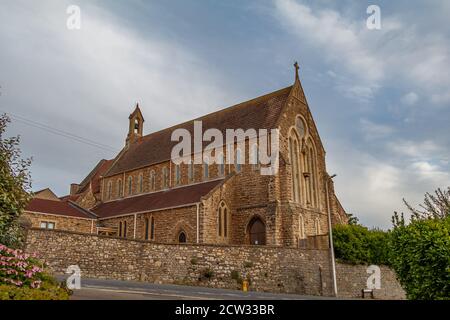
(330, 233)
(198, 222)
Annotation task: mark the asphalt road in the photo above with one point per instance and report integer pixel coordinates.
(95, 289)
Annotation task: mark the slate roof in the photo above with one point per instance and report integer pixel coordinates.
(56, 207)
(258, 113)
(155, 201)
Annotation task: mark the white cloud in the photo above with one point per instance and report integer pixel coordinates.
(414, 149)
(373, 130)
(372, 187)
(410, 98)
(372, 59)
(88, 81)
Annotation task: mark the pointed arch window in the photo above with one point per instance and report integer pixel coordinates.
(109, 194)
(191, 171)
(152, 228)
(301, 227)
(130, 185)
(294, 151)
(124, 231)
(152, 180)
(206, 169)
(255, 157)
(223, 220)
(141, 183)
(221, 165)
(147, 226)
(165, 173)
(177, 174)
(119, 188)
(182, 237)
(317, 226)
(310, 174)
(238, 161)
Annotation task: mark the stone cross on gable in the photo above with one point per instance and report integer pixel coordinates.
(296, 69)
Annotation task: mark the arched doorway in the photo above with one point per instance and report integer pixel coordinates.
(257, 232)
(182, 237)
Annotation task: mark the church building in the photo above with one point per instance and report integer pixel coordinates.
(142, 194)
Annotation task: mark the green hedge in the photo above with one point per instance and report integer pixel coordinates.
(356, 244)
(420, 256)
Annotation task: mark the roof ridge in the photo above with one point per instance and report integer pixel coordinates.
(265, 96)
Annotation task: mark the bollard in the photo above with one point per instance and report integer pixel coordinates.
(245, 285)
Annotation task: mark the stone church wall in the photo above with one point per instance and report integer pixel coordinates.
(269, 268)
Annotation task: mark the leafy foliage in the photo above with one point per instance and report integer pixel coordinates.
(15, 184)
(420, 256)
(352, 219)
(357, 244)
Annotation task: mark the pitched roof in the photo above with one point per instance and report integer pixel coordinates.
(93, 177)
(156, 201)
(61, 208)
(259, 113)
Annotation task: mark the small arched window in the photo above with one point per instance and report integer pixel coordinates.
(182, 237)
(109, 190)
(152, 228)
(177, 174)
(130, 185)
(223, 220)
(152, 180)
(141, 183)
(206, 169)
(119, 188)
(146, 228)
(120, 228)
(136, 125)
(124, 233)
(255, 157)
(165, 173)
(191, 171)
(238, 161)
(301, 227)
(221, 165)
(317, 226)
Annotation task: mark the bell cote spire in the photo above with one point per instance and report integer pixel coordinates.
(136, 127)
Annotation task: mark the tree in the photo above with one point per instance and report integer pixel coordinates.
(15, 186)
(420, 250)
(420, 256)
(352, 219)
(357, 244)
(435, 206)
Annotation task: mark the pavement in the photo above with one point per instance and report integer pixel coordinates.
(97, 289)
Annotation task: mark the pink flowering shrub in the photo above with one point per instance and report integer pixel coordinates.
(20, 269)
(22, 277)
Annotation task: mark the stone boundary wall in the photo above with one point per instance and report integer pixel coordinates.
(269, 268)
(351, 279)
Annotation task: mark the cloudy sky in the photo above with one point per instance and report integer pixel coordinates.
(380, 98)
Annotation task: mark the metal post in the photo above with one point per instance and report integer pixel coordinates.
(330, 233)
